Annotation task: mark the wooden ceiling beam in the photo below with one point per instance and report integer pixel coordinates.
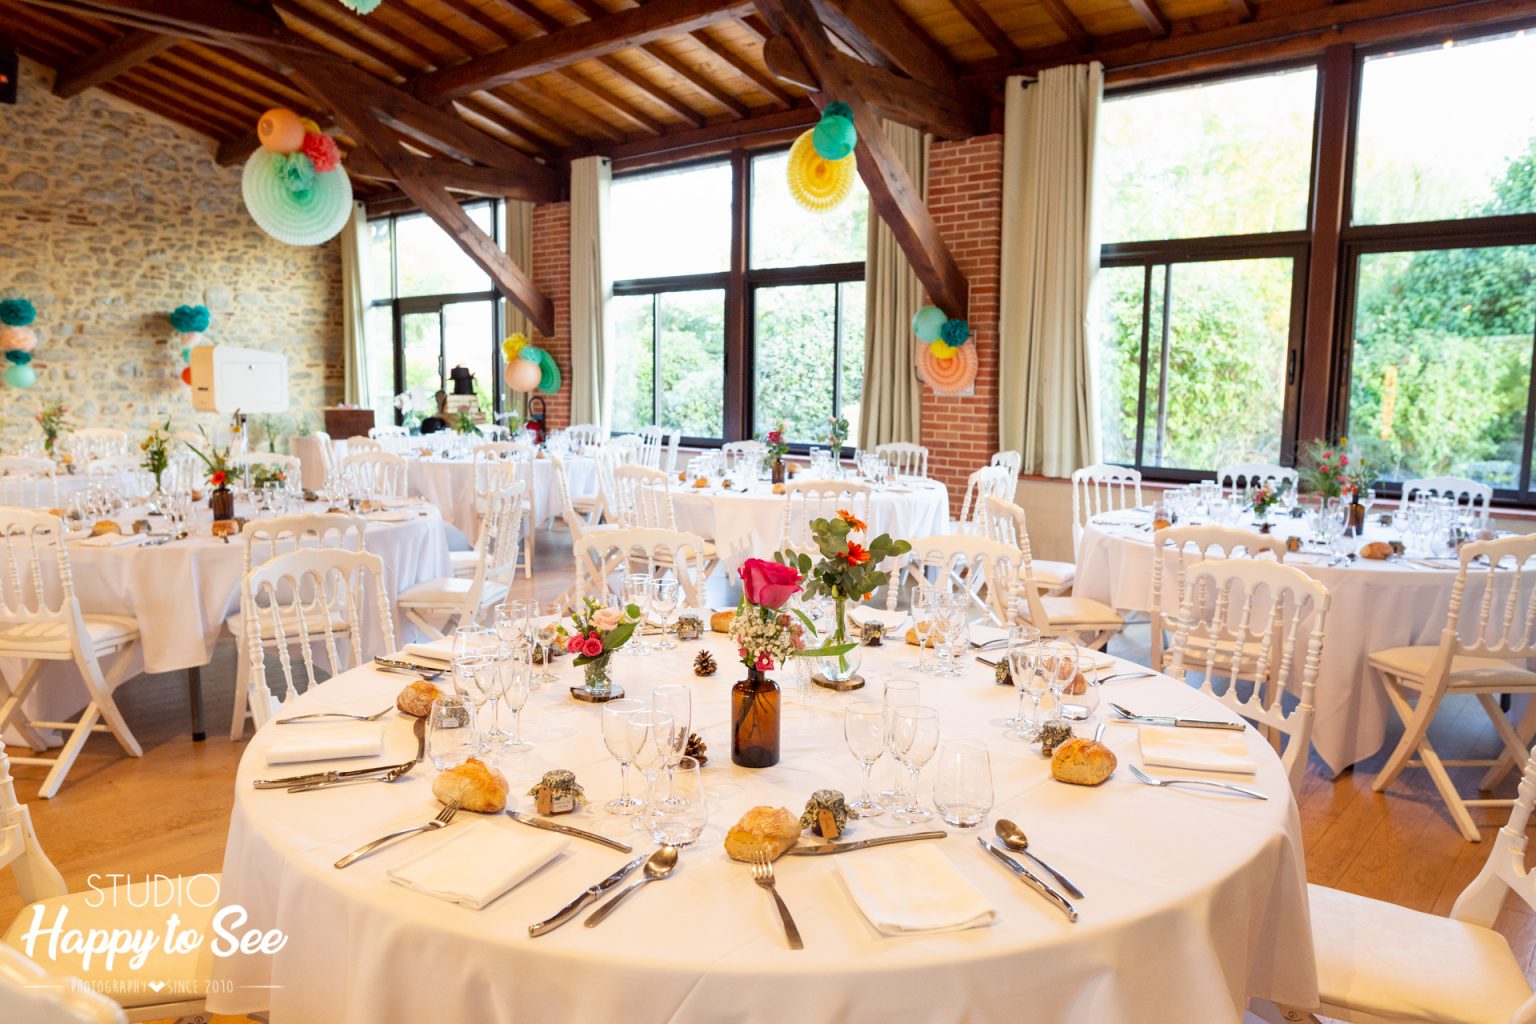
(1244, 9)
(688, 74)
(722, 136)
(1151, 16)
(583, 41)
(891, 191)
(223, 20)
(1067, 22)
(893, 32)
(988, 29)
(129, 50)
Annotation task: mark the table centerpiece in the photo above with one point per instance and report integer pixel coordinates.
(598, 632)
(157, 459)
(53, 419)
(220, 499)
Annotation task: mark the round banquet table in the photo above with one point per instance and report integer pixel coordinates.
(450, 485)
(750, 522)
(1195, 901)
(1374, 605)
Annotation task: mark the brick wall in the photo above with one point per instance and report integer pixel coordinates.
(552, 276)
(965, 196)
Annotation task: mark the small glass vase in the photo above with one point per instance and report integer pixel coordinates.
(222, 502)
(840, 668)
(755, 707)
(597, 678)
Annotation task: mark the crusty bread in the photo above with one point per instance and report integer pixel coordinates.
(933, 640)
(701, 483)
(416, 699)
(105, 526)
(1377, 549)
(720, 622)
(1083, 762)
(475, 785)
(225, 528)
(770, 830)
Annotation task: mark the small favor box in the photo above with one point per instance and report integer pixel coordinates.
(557, 792)
(690, 627)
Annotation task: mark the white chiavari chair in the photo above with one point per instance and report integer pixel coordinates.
(497, 465)
(1011, 462)
(743, 456)
(641, 549)
(112, 469)
(380, 433)
(585, 433)
(904, 458)
(576, 522)
(1089, 622)
(805, 501)
(1489, 635)
(28, 483)
(669, 457)
(988, 570)
(441, 605)
(1237, 477)
(381, 474)
(1177, 551)
(261, 541)
(1250, 620)
(41, 621)
(986, 482)
(604, 506)
(651, 439)
(644, 499)
(30, 995)
(1005, 522)
(1465, 492)
(1101, 488)
(357, 445)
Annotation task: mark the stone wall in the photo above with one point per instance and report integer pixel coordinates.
(110, 217)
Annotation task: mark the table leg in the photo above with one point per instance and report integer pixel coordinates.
(195, 698)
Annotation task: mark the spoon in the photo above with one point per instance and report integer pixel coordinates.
(657, 865)
(1014, 838)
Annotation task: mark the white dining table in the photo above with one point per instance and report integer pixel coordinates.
(1374, 605)
(1194, 900)
(449, 484)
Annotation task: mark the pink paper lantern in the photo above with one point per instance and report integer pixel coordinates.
(521, 375)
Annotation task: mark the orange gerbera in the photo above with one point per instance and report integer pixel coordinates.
(857, 554)
(851, 519)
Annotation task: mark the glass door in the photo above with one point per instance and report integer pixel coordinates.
(436, 334)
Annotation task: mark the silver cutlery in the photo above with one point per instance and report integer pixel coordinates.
(336, 714)
(1154, 781)
(1014, 838)
(657, 865)
(588, 896)
(419, 673)
(567, 830)
(1030, 879)
(762, 874)
(397, 665)
(442, 820)
(822, 849)
(1113, 676)
(322, 780)
(1182, 723)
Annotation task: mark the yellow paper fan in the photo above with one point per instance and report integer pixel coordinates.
(818, 184)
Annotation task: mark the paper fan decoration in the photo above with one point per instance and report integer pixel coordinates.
(307, 217)
(816, 183)
(549, 373)
(953, 376)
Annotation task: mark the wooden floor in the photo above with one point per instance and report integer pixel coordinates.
(168, 811)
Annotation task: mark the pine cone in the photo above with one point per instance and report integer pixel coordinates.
(696, 749)
(704, 664)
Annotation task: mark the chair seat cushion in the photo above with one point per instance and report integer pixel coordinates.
(450, 592)
(180, 977)
(1402, 964)
(1414, 662)
(1077, 611)
(290, 618)
(464, 563)
(1049, 575)
(106, 633)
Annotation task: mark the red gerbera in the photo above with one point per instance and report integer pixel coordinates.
(851, 519)
(857, 554)
(218, 478)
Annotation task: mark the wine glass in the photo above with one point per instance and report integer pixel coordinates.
(546, 633)
(864, 730)
(650, 735)
(955, 632)
(1021, 651)
(471, 640)
(898, 693)
(664, 597)
(962, 783)
(680, 819)
(475, 678)
(451, 735)
(914, 738)
(1056, 661)
(512, 620)
(676, 700)
(637, 589)
(515, 670)
(616, 738)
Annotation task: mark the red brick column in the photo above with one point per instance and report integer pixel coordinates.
(552, 276)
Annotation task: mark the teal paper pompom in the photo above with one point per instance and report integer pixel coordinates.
(837, 108)
(834, 136)
(189, 319)
(19, 357)
(297, 173)
(955, 332)
(362, 6)
(17, 312)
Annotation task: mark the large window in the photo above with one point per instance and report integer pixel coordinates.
(734, 310)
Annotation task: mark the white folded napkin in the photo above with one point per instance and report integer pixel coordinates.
(395, 516)
(982, 634)
(889, 618)
(315, 743)
(439, 651)
(908, 890)
(1207, 750)
(474, 867)
(112, 540)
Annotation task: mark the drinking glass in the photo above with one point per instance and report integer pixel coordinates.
(471, 640)
(1079, 707)
(1056, 661)
(546, 633)
(675, 700)
(475, 678)
(680, 819)
(864, 729)
(451, 735)
(1021, 651)
(925, 609)
(914, 738)
(616, 738)
(637, 589)
(899, 693)
(962, 783)
(649, 738)
(664, 598)
(512, 620)
(514, 666)
(955, 632)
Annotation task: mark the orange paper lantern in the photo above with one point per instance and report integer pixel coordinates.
(523, 375)
(186, 375)
(280, 130)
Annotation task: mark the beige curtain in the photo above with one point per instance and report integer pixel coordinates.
(517, 239)
(892, 409)
(354, 308)
(1049, 408)
(590, 394)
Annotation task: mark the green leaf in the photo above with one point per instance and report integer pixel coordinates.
(618, 636)
(632, 611)
(809, 627)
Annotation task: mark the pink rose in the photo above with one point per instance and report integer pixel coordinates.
(1343, 460)
(606, 618)
(573, 644)
(592, 646)
(768, 584)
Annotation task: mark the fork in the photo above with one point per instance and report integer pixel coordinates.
(762, 874)
(1149, 780)
(389, 774)
(337, 714)
(443, 818)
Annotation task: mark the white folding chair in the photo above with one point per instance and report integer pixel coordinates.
(1010, 462)
(1237, 477)
(1089, 622)
(41, 621)
(1101, 488)
(263, 540)
(577, 524)
(1176, 550)
(1489, 635)
(585, 433)
(904, 458)
(986, 482)
(1005, 523)
(358, 445)
(990, 571)
(28, 483)
(1243, 619)
(658, 551)
(643, 497)
(382, 474)
(312, 597)
(805, 501)
(437, 606)
(1466, 492)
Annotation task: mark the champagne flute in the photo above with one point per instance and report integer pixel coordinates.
(515, 671)
(864, 730)
(924, 611)
(1057, 663)
(616, 737)
(636, 589)
(547, 633)
(898, 693)
(1021, 650)
(914, 737)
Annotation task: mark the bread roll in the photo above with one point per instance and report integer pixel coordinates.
(416, 699)
(1378, 550)
(1083, 762)
(770, 830)
(225, 528)
(701, 483)
(475, 785)
(720, 622)
(934, 638)
(105, 526)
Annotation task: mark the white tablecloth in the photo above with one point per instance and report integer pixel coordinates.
(450, 485)
(751, 523)
(1194, 901)
(1374, 605)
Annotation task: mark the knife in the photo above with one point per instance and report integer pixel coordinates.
(587, 898)
(861, 844)
(303, 780)
(1030, 879)
(567, 830)
(1183, 723)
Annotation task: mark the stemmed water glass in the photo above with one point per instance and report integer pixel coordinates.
(515, 670)
(650, 737)
(546, 631)
(664, 598)
(1056, 662)
(899, 693)
(472, 640)
(864, 729)
(475, 678)
(637, 590)
(676, 701)
(954, 632)
(1020, 654)
(925, 611)
(962, 783)
(616, 737)
(914, 738)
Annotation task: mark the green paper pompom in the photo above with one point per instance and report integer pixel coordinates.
(362, 6)
(834, 136)
(21, 376)
(297, 173)
(837, 108)
(17, 312)
(189, 319)
(19, 357)
(955, 332)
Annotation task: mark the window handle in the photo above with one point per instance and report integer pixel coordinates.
(1290, 369)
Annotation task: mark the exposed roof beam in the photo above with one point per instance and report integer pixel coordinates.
(683, 71)
(1151, 16)
(982, 22)
(722, 136)
(480, 181)
(129, 50)
(1067, 22)
(889, 29)
(583, 41)
(1244, 9)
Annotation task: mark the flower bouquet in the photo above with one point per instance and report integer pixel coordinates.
(53, 419)
(1329, 470)
(1264, 497)
(598, 632)
(157, 451)
(774, 450)
(837, 434)
(222, 501)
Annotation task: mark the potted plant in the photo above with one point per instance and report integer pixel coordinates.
(222, 499)
(598, 632)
